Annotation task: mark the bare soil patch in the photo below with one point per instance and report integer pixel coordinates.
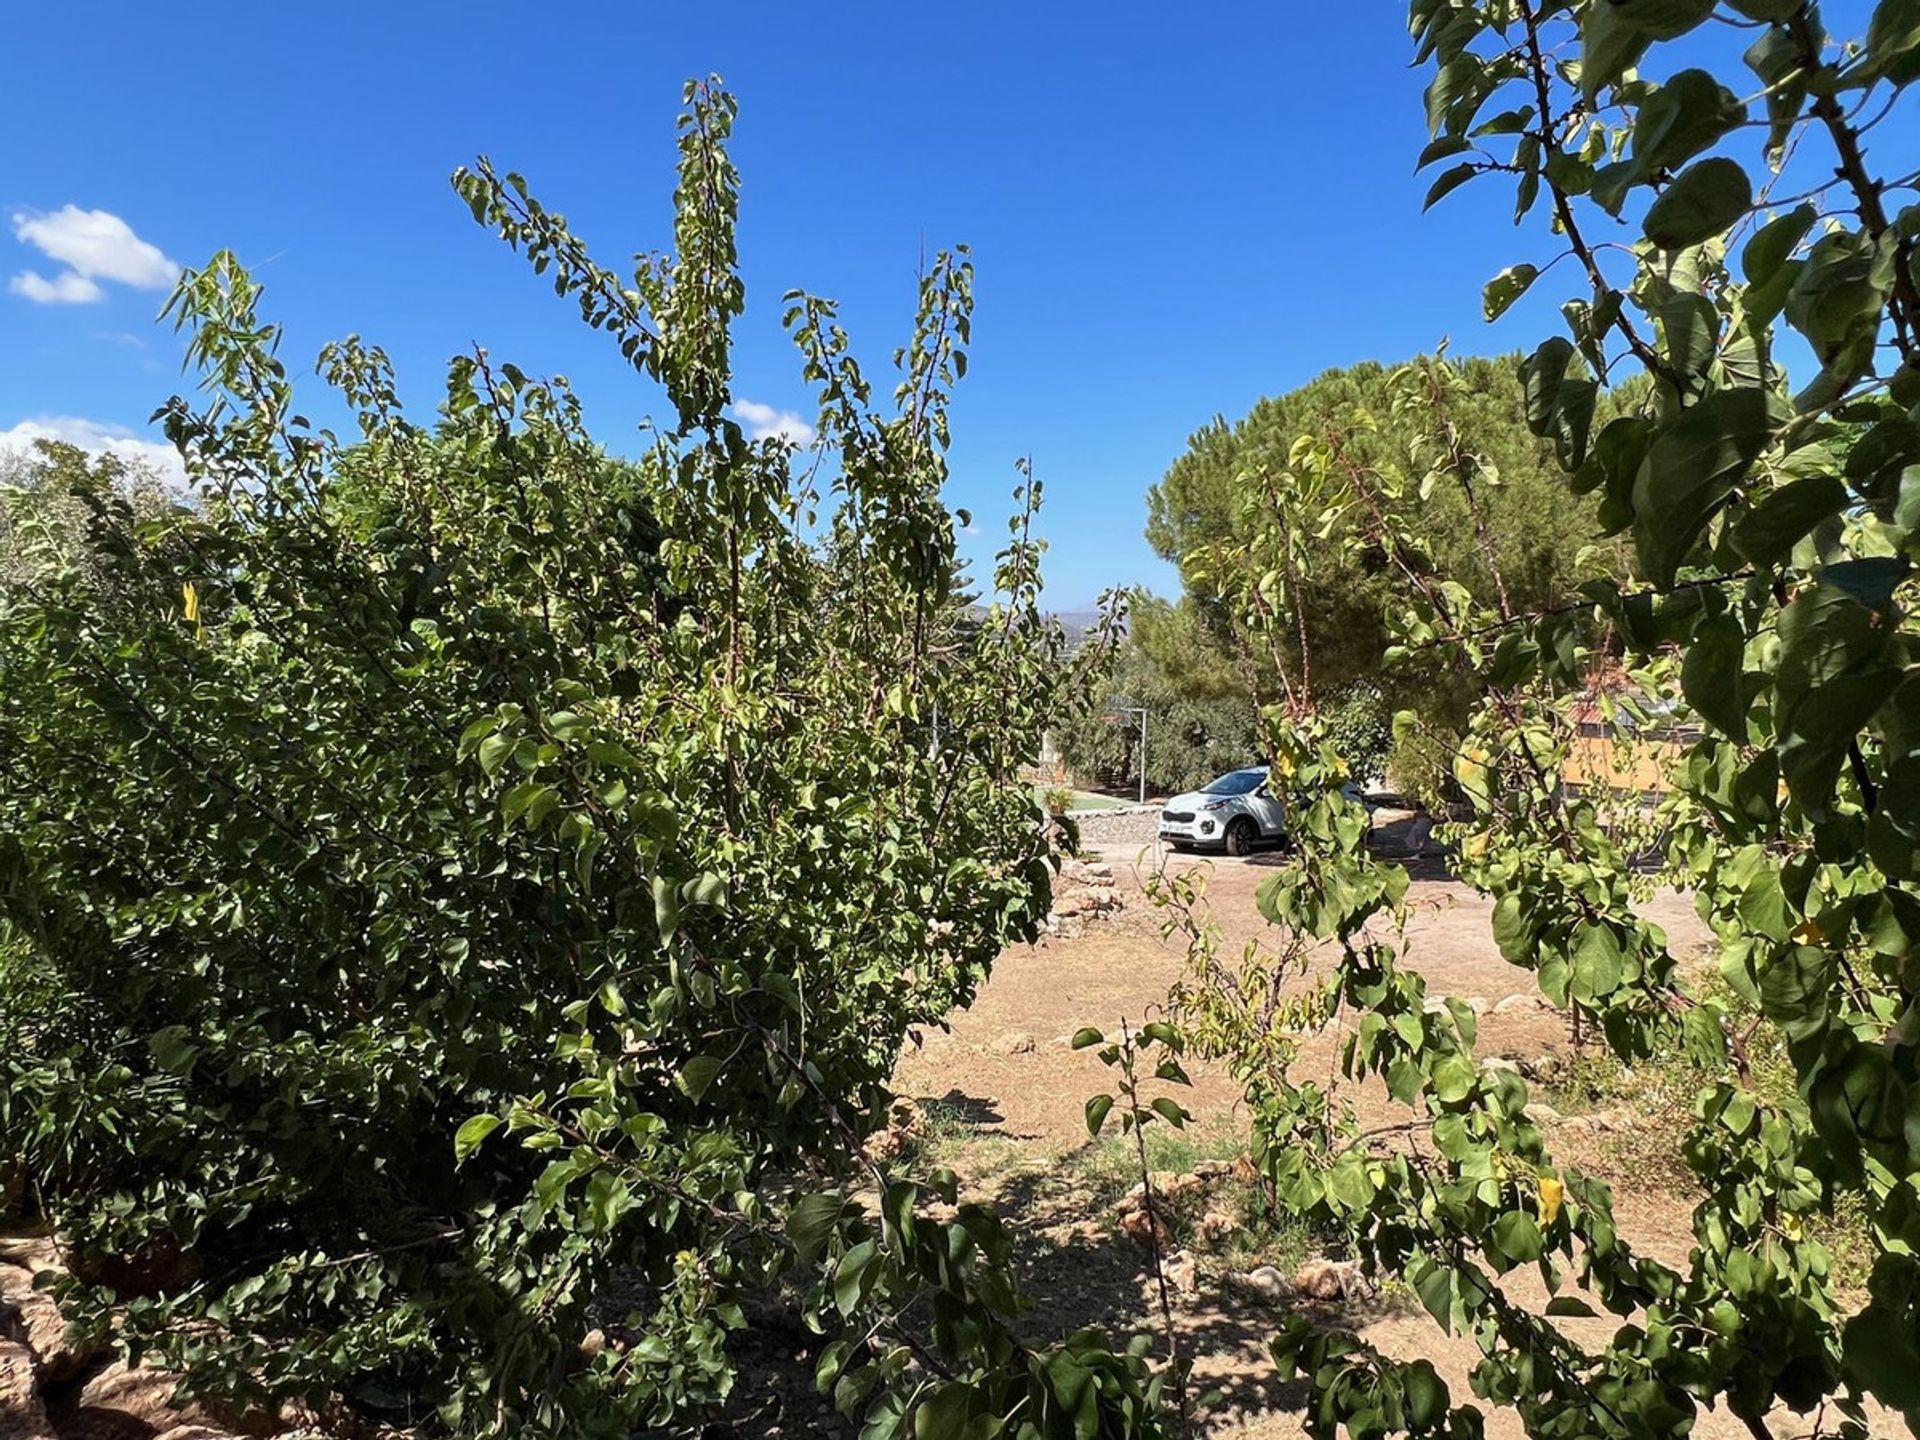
(1005, 1092)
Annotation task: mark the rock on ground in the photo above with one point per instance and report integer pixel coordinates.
(1183, 1275)
(1119, 827)
(1329, 1280)
(30, 1317)
(54, 1389)
(22, 1415)
(1529, 1004)
(1264, 1283)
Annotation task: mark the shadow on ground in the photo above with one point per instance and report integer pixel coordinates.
(1078, 1272)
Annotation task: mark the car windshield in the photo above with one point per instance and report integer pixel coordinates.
(1240, 782)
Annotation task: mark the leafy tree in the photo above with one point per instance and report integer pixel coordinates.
(59, 495)
(468, 895)
(1200, 719)
(1201, 715)
(1505, 531)
(1773, 535)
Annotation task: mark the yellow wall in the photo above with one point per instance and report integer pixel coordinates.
(1639, 765)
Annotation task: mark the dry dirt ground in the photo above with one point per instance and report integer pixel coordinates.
(1005, 1094)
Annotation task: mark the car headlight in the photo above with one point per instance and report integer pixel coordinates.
(1216, 804)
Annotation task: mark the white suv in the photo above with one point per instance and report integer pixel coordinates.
(1233, 813)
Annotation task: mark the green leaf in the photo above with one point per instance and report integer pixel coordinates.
(519, 798)
(1703, 201)
(832, 1361)
(1460, 77)
(944, 1413)
(471, 1134)
(1170, 1111)
(1703, 1037)
(782, 988)
(1449, 181)
(1767, 533)
(1690, 327)
(1893, 835)
(1664, 19)
(1159, 1032)
(705, 889)
(1689, 470)
(1833, 675)
(1710, 674)
(1764, 262)
(812, 1220)
(1541, 377)
(1610, 45)
(1762, 905)
(1570, 1305)
(1349, 1183)
(1681, 118)
(697, 1074)
(1433, 1283)
(1560, 398)
(1442, 148)
(173, 1050)
(666, 907)
(1453, 1078)
(1880, 1351)
(853, 1277)
(1838, 295)
(1506, 287)
(1097, 1110)
(1893, 50)
(1086, 1035)
(1427, 1397)
(1797, 987)
(1511, 932)
(1596, 962)
(494, 751)
(1516, 1236)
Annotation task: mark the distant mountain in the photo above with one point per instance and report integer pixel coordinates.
(1075, 622)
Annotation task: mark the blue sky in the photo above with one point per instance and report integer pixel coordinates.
(1172, 212)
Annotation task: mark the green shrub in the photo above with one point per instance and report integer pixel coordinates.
(1774, 532)
(458, 779)
(1360, 729)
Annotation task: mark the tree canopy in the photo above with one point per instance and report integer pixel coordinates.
(1200, 716)
(1507, 529)
(461, 896)
(1534, 540)
(1771, 526)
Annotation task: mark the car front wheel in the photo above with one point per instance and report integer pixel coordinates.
(1240, 837)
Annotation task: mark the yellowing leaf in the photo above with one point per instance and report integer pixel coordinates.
(190, 600)
(1552, 1195)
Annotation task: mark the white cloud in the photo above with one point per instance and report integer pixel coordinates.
(764, 420)
(69, 287)
(98, 439)
(94, 245)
